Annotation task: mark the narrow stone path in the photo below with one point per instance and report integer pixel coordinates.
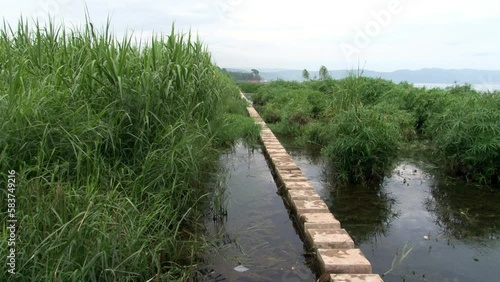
(337, 257)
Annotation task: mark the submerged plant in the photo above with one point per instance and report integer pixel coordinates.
(400, 256)
(219, 201)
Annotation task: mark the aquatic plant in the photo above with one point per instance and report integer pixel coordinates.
(460, 122)
(401, 255)
(363, 145)
(467, 137)
(249, 87)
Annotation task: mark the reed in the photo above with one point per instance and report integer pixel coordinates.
(111, 143)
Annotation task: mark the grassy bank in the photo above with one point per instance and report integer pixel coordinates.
(363, 124)
(111, 145)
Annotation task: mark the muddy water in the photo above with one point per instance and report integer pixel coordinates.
(417, 226)
(257, 232)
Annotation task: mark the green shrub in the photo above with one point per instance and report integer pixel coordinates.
(318, 101)
(427, 104)
(291, 110)
(271, 113)
(315, 133)
(403, 119)
(237, 126)
(286, 128)
(467, 136)
(372, 89)
(363, 145)
(461, 90)
(324, 86)
(296, 108)
(270, 91)
(458, 120)
(249, 87)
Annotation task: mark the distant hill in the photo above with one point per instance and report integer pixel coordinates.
(428, 75)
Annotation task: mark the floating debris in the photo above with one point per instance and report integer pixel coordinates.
(241, 268)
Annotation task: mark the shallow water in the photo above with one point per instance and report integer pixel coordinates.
(417, 226)
(257, 232)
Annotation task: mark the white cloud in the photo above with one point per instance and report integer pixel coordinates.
(298, 34)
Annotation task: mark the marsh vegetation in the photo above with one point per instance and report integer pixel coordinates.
(112, 144)
(363, 124)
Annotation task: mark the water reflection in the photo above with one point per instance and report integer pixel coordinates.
(368, 211)
(256, 231)
(465, 211)
(417, 225)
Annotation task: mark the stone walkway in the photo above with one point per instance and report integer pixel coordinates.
(336, 254)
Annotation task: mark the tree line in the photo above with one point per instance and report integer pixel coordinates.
(244, 76)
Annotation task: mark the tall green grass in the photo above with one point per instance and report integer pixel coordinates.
(249, 87)
(112, 144)
(360, 140)
(363, 123)
(466, 135)
(362, 145)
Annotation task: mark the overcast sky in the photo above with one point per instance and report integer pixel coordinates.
(382, 35)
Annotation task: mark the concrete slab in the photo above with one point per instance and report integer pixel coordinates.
(276, 160)
(278, 155)
(271, 150)
(292, 177)
(278, 164)
(290, 185)
(355, 278)
(268, 136)
(273, 141)
(303, 195)
(285, 164)
(288, 169)
(271, 145)
(309, 206)
(291, 172)
(329, 238)
(318, 220)
(350, 261)
(252, 112)
(268, 139)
